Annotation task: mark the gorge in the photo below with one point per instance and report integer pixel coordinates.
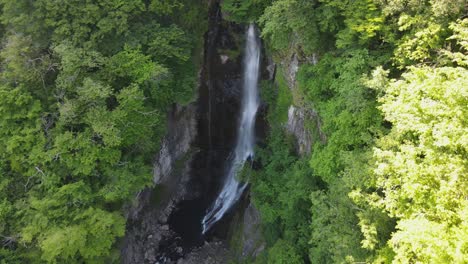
(233, 131)
(199, 199)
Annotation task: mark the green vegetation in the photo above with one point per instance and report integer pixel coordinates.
(389, 183)
(84, 88)
(85, 85)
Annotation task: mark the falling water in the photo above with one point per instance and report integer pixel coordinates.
(232, 189)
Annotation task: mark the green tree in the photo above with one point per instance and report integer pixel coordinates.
(421, 164)
(83, 91)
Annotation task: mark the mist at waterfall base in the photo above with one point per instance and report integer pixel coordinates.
(232, 189)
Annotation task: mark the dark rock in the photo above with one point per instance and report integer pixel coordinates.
(147, 221)
(209, 253)
(182, 131)
(164, 225)
(252, 240)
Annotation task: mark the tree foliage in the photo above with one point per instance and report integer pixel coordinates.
(422, 164)
(84, 86)
(390, 90)
(83, 91)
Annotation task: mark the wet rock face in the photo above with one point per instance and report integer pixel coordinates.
(147, 221)
(165, 224)
(215, 252)
(252, 239)
(182, 131)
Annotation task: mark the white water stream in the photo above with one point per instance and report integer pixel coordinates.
(232, 189)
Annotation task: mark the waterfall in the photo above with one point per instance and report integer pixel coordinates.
(232, 189)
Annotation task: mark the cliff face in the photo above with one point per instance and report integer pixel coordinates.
(181, 133)
(304, 124)
(303, 121)
(147, 220)
(164, 225)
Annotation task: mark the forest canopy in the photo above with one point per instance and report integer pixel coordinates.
(388, 185)
(85, 87)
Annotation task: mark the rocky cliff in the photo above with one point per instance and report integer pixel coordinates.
(164, 224)
(148, 227)
(303, 121)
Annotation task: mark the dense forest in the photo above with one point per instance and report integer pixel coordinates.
(84, 90)
(85, 86)
(389, 183)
